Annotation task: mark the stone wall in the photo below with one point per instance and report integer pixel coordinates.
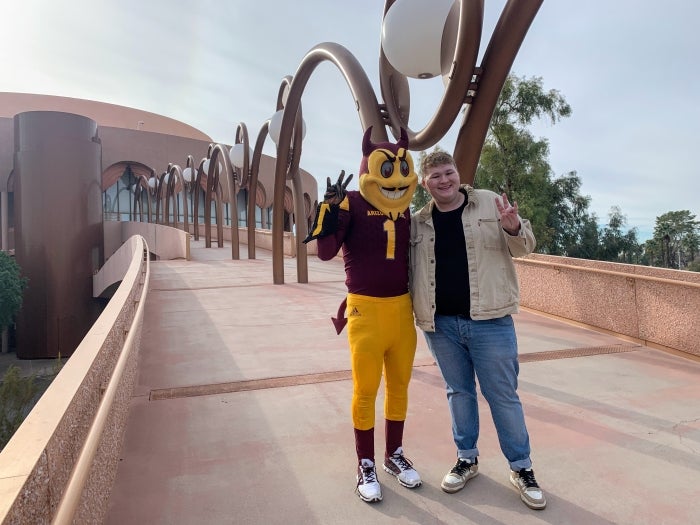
(653, 305)
(37, 463)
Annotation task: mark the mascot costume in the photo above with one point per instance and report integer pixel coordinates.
(372, 226)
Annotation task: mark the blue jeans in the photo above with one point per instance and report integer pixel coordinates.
(488, 350)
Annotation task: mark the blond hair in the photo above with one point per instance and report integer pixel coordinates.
(435, 158)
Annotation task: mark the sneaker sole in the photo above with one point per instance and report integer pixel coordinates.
(368, 500)
(530, 504)
(452, 490)
(403, 483)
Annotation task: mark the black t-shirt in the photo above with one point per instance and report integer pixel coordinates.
(451, 266)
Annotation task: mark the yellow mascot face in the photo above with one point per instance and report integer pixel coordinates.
(387, 177)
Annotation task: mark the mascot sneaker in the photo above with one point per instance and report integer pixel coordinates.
(367, 485)
(397, 465)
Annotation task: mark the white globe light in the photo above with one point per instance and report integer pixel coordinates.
(412, 33)
(205, 167)
(166, 179)
(187, 174)
(275, 126)
(237, 154)
(152, 182)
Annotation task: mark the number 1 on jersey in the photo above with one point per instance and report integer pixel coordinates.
(390, 229)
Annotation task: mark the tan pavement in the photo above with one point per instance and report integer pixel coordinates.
(241, 415)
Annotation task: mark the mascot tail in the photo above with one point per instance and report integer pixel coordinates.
(340, 321)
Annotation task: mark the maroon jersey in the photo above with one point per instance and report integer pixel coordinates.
(375, 248)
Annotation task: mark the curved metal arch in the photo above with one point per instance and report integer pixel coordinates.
(176, 184)
(212, 192)
(510, 31)
(189, 194)
(197, 190)
(246, 179)
(286, 168)
(140, 188)
(158, 195)
(294, 153)
(370, 115)
(169, 192)
(216, 153)
(253, 184)
(242, 138)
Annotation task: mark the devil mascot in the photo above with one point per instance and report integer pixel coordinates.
(372, 226)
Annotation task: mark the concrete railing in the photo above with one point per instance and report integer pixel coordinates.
(656, 306)
(165, 242)
(60, 464)
(263, 239)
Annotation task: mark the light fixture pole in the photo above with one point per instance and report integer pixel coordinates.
(217, 165)
(240, 156)
(289, 140)
(142, 188)
(188, 179)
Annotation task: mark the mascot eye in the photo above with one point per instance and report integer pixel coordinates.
(387, 169)
(404, 168)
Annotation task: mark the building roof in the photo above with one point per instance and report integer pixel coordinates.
(103, 113)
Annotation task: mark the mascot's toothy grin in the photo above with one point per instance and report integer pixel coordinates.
(394, 193)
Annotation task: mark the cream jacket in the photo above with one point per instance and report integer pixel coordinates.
(493, 282)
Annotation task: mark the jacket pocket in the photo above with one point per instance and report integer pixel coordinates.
(490, 233)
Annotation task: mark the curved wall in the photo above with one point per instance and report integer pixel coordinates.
(58, 229)
(103, 113)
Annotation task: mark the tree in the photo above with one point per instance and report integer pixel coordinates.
(11, 287)
(615, 245)
(514, 162)
(675, 242)
(575, 231)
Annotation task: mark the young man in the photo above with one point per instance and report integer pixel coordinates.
(373, 227)
(464, 289)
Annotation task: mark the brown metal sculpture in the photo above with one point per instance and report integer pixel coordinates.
(197, 191)
(245, 182)
(253, 184)
(164, 193)
(188, 192)
(139, 191)
(175, 184)
(478, 87)
(217, 154)
(287, 167)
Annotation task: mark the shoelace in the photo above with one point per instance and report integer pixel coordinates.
(461, 467)
(402, 462)
(528, 477)
(369, 475)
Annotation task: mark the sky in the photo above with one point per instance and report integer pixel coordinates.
(628, 68)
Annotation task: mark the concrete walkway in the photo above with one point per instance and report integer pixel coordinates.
(241, 415)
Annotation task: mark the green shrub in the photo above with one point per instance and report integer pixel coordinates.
(12, 285)
(17, 397)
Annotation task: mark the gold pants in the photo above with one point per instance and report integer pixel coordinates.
(381, 334)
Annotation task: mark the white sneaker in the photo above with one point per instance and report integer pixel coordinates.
(399, 466)
(530, 492)
(463, 471)
(367, 485)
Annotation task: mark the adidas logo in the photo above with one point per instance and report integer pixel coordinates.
(354, 312)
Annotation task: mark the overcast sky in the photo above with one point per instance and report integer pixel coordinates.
(628, 68)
